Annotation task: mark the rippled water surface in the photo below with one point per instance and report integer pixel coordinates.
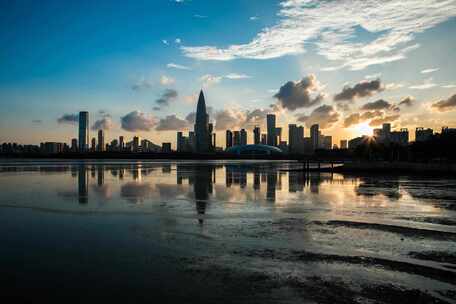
(224, 232)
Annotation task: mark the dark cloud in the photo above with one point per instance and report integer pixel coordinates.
(377, 105)
(68, 118)
(142, 84)
(166, 97)
(407, 101)
(446, 105)
(172, 123)
(105, 123)
(357, 118)
(324, 115)
(361, 89)
(382, 120)
(294, 95)
(137, 121)
(228, 119)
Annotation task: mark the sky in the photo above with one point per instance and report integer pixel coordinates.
(138, 66)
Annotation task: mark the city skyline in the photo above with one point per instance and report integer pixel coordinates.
(148, 86)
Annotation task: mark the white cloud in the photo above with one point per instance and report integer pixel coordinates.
(199, 16)
(209, 80)
(165, 41)
(177, 66)
(333, 26)
(427, 84)
(449, 86)
(237, 76)
(254, 18)
(427, 71)
(373, 76)
(177, 40)
(165, 80)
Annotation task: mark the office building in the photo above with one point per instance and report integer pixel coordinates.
(264, 139)
(121, 143)
(295, 139)
(400, 137)
(243, 135)
(256, 135)
(271, 130)
(237, 138)
(166, 147)
(315, 136)
(101, 142)
(135, 144)
(83, 131)
(326, 142)
(422, 134)
(343, 144)
(93, 145)
(74, 145)
(229, 139)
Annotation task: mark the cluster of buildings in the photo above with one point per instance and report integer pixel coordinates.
(203, 139)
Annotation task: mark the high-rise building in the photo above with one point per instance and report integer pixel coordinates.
(343, 144)
(243, 134)
(229, 139)
(400, 137)
(136, 144)
(74, 145)
(83, 131)
(264, 139)
(256, 135)
(327, 142)
(93, 146)
(121, 143)
(295, 138)
(237, 138)
(191, 140)
(166, 147)
(422, 134)
(101, 142)
(180, 143)
(202, 131)
(271, 129)
(315, 136)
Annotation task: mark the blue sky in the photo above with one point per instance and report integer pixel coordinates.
(60, 57)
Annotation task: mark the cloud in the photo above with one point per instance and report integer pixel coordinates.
(336, 29)
(357, 118)
(165, 80)
(228, 119)
(446, 105)
(294, 95)
(377, 105)
(427, 84)
(449, 86)
(209, 80)
(177, 40)
(324, 115)
(407, 101)
(104, 123)
(253, 18)
(177, 66)
(172, 123)
(165, 42)
(37, 121)
(68, 119)
(167, 96)
(427, 71)
(382, 120)
(142, 84)
(361, 89)
(137, 121)
(373, 76)
(199, 16)
(237, 76)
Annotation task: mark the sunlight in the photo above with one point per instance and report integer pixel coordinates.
(363, 129)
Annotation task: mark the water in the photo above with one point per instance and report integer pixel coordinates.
(219, 231)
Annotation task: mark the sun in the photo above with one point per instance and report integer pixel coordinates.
(363, 129)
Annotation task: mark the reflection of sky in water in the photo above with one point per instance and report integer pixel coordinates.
(224, 187)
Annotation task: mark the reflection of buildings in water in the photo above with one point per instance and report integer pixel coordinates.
(136, 172)
(370, 186)
(92, 171)
(166, 168)
(256, 180)
(296, 181)
(83, 189)
(315, 181)
(100, 175)
(271, 185)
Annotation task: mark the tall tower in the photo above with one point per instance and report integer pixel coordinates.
(202, 133)
(256, 135)
(101, 144)
(271, 128)
(83, 131)
(315, 136)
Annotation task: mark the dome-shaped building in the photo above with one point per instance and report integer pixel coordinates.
(254, 150)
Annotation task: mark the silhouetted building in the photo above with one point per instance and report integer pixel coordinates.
(121, 143)
(166, 147)
(295, 139)
(271, 129)
(101, 142)
(264, 139)
(93, 145)
(355, 142)
(83, 131)
(326, 142)
(202, 132)
(237, 138)
(243, 135)
(256, 135)
(343, 144)
(422, 134)
(315, 136)
(400, 137)
(135, 144)
(74, 145)
(229, 139)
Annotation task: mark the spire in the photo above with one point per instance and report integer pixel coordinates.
(201, 107)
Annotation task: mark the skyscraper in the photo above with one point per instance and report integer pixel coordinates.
(237, 138)
(101, 143)
(315, 136)
(295, 138)
(136, 142)
(271, 128)
(93, 147)
(256, 135)
(229, 139)
(202, 133)
(121, 143)
(243, 135)
(83, 131)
